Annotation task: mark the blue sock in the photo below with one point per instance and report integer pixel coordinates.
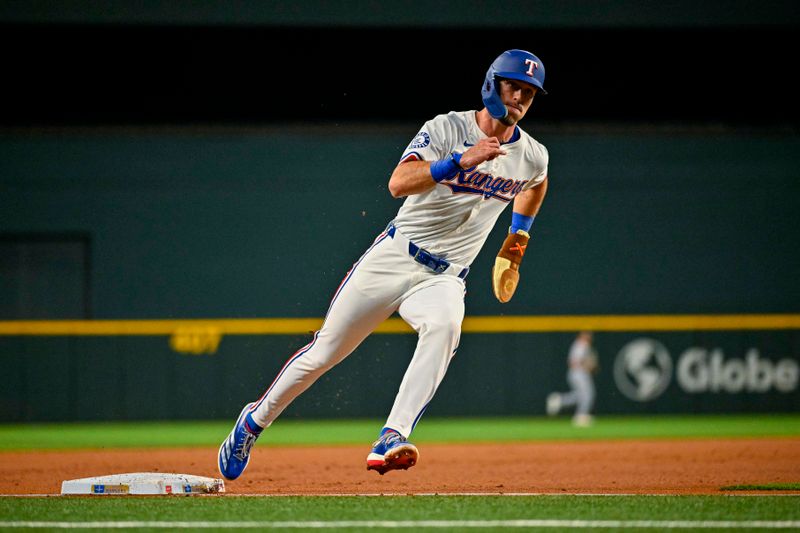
(251, 425)
(386, 430)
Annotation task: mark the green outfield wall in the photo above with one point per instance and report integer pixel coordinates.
(166, 225)
(141, 377)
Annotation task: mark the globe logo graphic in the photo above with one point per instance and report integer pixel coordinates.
(643, 369)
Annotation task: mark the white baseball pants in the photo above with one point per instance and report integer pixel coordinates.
(384, 280)
(582, 392)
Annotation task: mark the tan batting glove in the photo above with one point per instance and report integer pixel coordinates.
(505, 274)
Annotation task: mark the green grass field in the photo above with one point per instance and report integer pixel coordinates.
(413, 513)
(731, 511)
(292, 432)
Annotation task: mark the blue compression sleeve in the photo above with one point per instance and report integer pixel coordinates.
(446, 168)
(522, 222)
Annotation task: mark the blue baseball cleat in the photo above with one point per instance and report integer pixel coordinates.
(391, 451)
(234, 453)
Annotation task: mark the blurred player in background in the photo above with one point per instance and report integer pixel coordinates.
(582, 363)
(458, 174)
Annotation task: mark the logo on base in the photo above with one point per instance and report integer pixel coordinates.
(110, 489)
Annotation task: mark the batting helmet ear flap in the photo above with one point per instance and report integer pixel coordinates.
(491, 96)
(515, 65)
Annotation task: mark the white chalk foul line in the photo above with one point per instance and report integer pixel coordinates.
(396, 524)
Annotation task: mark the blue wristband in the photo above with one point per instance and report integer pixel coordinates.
(522, 222)
(446, 168)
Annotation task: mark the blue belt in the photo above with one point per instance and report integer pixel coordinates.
(424, 257)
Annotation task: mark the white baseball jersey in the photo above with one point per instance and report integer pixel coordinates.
(579, 351)
(453, 219)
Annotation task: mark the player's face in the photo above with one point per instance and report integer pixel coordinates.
(517, 97)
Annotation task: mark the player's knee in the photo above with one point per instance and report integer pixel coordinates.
(445, 327)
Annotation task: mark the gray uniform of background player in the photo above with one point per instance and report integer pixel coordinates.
(582, 362)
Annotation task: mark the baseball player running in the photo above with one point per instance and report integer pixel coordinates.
(458, 174)
(582, 363)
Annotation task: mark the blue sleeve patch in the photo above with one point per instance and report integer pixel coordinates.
(421, 140)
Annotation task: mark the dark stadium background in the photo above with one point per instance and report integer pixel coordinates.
(210, 160)
(87, 74)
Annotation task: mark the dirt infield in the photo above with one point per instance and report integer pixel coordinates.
(644, 467)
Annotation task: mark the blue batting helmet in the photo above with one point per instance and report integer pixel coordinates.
(512, 64)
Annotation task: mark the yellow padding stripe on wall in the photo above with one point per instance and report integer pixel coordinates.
(472, 324)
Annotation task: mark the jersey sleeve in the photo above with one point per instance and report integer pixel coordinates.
(434, 141)
(540, 160)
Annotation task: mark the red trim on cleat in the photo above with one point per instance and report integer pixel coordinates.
(399, 458)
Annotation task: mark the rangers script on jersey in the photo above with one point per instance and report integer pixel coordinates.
(454, 218)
